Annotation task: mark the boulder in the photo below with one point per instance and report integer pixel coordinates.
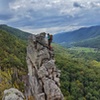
(13, 94)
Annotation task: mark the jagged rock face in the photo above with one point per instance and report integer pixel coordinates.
(13, 94)
(43, 74)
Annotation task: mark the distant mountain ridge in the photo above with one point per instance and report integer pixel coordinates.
(93, 42)
(82, 34)
(14, 31)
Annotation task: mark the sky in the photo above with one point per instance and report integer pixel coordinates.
(52, 16)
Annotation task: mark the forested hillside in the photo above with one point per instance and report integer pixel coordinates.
(80, 75)
(89, 35)
(12, 51)
(80, 71)
(20, 34)
(12, 61)
(92, 43)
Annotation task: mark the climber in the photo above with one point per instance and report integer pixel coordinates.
(50, 37)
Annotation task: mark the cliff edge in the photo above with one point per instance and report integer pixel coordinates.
(43, 81)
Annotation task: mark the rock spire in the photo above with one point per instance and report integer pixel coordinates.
(42, 71)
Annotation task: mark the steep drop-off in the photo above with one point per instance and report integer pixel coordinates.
(43, 83)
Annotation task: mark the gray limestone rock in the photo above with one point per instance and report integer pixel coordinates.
(42, 71)
(13, 94)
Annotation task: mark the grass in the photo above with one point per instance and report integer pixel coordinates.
(83, 49)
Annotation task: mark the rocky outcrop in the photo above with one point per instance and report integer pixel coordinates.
(13, 94)
(43, 73)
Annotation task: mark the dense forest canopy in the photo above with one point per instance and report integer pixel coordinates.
(12, 51)
(80, 68)
(80, 75)
(12, 61)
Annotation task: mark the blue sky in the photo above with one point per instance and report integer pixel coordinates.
(49, 15)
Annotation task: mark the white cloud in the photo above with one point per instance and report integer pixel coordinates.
(49, 8)
(50, 15)
(52, 30)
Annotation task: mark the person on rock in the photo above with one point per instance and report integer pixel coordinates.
(50, 37)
